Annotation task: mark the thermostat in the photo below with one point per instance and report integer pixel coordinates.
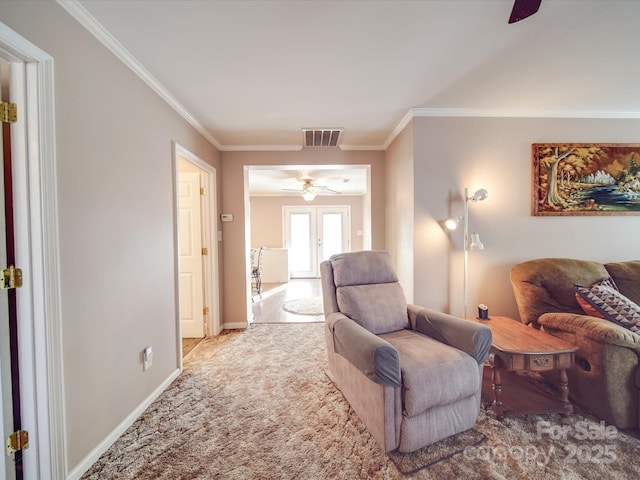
(226, 217)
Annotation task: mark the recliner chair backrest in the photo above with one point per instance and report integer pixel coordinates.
(367, 290)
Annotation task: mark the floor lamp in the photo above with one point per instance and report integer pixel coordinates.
(471, 241)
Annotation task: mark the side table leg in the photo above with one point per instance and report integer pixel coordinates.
(564, 393)
(496, 381)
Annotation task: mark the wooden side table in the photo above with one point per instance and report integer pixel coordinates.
(517, 347)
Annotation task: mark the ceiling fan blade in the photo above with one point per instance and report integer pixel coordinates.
(523, 9)
(323, 189)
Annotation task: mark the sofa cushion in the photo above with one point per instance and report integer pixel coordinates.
(546, 285)
(627, 278)
(424, 362)
(613, 305)
(380, 308)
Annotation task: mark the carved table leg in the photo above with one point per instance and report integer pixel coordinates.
(496, 381)
(564, 393)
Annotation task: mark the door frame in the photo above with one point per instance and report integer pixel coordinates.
(36, 226)
(315, 211)
(210, 241)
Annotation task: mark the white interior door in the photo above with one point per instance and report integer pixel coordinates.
(7, 469)
(313, 234)
(191, 269)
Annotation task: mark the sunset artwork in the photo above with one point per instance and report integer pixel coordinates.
(586, 179)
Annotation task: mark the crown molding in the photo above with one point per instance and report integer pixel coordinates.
(88, 21)
(361, 147)
(396, 131)
(497, 113)
(261, 148)
(489, 112)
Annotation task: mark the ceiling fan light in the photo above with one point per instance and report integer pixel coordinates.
(308, 196)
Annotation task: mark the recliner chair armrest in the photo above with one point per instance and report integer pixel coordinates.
(470, 337)
(372, 355)
(598, 329)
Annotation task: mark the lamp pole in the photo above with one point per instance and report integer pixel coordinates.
(466, 248)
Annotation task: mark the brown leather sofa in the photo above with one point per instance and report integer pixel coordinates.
(606, 377)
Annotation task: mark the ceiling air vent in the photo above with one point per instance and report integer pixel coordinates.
(321, 137)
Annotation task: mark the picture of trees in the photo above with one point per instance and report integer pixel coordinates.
(586, 179)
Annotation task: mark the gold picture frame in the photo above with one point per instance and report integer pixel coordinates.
(585, 178)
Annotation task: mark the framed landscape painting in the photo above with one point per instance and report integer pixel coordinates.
(586, 179)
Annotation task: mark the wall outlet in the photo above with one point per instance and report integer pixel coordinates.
(147, 358)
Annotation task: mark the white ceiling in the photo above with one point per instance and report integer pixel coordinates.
(252, 74)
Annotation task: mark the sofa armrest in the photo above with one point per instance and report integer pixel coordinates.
(470, 337)
(598, 329)
(372, 355)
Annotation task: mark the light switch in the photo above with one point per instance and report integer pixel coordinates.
(147, 357)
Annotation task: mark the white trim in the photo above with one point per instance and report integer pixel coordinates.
(88, 21)
(36, 217)
(489, 112)
(496, 113)
(236, 325)
(396, 131)
(362, 147)
(212, 299)
(292, 148)
(86, 463)
(261, 148)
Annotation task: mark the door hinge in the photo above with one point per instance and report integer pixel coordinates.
(11, 278)
(205, 251)
(8, 112)
(203, 191)
(205, 311)
(17, 441)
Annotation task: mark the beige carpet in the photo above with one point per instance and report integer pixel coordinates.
(257, 404)
(305, 306)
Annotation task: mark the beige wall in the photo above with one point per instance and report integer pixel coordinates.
(116, 216)
(495, 153)
(399, 187)
(236, 201)
(267, 228)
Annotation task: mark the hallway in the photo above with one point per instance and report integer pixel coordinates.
(269, 309)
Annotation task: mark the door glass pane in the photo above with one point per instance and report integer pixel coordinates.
(331, 234)
(300, 248)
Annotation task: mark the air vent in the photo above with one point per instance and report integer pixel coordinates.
(321, 137)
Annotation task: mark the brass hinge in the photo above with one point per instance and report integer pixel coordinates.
(17, 441)
(205, 311)
(203, 191)
(11, 278)
(8, 112)
(205, 251)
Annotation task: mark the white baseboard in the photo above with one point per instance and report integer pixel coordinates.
(103, 446)
(235, 325)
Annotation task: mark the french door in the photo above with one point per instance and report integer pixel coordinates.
(313, 234)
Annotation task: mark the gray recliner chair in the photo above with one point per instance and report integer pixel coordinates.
(412, 375)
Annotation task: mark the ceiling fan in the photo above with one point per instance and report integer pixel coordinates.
(309, 190)
(523, 9)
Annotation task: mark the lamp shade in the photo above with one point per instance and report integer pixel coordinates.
(308, 196)
(475, 243)
(480, 195)
(452, 223)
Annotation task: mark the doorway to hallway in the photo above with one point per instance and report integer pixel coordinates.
(197, 246)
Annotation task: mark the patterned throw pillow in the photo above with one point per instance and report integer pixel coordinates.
(586, 306)
(612, 304)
